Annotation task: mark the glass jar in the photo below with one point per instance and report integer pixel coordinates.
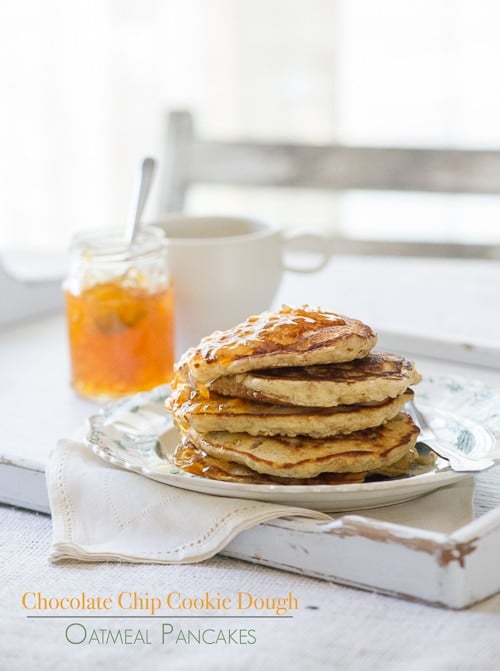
(119, 307)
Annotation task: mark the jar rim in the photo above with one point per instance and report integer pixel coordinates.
(110, 244)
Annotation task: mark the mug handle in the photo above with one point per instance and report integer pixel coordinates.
(309, 242)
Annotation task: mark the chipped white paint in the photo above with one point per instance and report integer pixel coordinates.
(453, 570)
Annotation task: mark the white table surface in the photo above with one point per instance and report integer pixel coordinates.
(335, 627)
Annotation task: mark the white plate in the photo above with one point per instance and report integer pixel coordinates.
(137, 434)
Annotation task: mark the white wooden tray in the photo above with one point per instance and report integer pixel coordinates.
(454, 569)
(407, 550)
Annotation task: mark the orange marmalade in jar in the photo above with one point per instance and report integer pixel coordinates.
(119, 307)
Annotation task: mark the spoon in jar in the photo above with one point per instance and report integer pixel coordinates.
(142, 187)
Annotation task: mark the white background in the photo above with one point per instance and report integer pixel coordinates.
(85, 86)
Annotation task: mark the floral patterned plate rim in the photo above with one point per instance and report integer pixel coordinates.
(137, 434)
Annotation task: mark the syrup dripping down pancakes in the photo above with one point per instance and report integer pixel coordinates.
(296, 396)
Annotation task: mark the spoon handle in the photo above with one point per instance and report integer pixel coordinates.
(142, 186)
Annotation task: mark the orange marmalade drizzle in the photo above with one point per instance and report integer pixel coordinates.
(193, 398)
(261, 334)
(196, 461)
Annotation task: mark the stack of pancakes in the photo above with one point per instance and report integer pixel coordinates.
(293, 397)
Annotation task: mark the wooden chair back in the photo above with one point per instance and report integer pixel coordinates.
(190, 159)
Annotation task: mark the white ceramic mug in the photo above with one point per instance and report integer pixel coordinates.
(225, 269)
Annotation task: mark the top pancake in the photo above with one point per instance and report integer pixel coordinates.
(374, 378)
(301, 336)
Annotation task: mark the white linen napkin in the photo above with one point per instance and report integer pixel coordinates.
(104, 513)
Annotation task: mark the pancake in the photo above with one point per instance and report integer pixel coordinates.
(195, 461)
(292, 336)
(374, 378)
(192, 460)
(305, 457)
(221, 413)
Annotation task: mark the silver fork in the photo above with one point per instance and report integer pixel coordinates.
(458, 461)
